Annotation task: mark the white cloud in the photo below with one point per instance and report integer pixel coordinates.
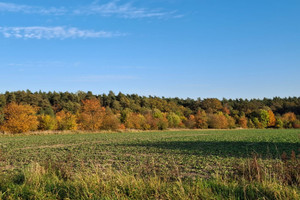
(124, 11)
(112, 8)
(59, 32)
(11, 7)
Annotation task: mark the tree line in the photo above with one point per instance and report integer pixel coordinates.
(24, 111)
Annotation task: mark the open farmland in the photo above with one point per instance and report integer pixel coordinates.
(187, 156)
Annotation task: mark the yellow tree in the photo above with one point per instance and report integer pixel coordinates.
(19, 118)
(136, 121)
(218, 121)
(91, 115)
(66, 121)
(272, 119)
(46, 122)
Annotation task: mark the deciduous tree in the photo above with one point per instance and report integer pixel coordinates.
(243, 121)
(201, 119)
(19, 118)
(174, 120)
(66, 121)
(91, 115)
(46, 122)
(272, 119)
(217, 121)
(110, 121)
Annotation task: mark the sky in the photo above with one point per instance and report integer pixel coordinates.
(170, 48)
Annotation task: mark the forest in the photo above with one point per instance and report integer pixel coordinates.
(25, 111)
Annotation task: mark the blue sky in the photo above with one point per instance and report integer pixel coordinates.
(171, 48)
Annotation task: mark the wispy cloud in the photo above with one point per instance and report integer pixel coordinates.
(110, 9)
(120, 10)
(11, 7)
(58, 32)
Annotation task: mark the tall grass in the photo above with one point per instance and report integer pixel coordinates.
(252, 180)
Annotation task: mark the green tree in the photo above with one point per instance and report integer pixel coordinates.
(264, 118)
(174, 120)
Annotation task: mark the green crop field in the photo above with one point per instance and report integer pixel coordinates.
(221, 162)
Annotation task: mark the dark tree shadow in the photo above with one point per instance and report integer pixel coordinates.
(221, 148)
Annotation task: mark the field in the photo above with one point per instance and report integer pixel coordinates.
(194, 164)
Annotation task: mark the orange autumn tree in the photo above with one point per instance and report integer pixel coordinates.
(19, 118)
(217, 121)
(135, 121)
(201, 119)
(190, 122)
(272, 119)
(91, 115)
(243, 121)
(288, 119)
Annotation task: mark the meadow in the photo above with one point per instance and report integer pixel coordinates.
(183, 164)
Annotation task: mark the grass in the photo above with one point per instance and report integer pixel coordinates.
(192, 164)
